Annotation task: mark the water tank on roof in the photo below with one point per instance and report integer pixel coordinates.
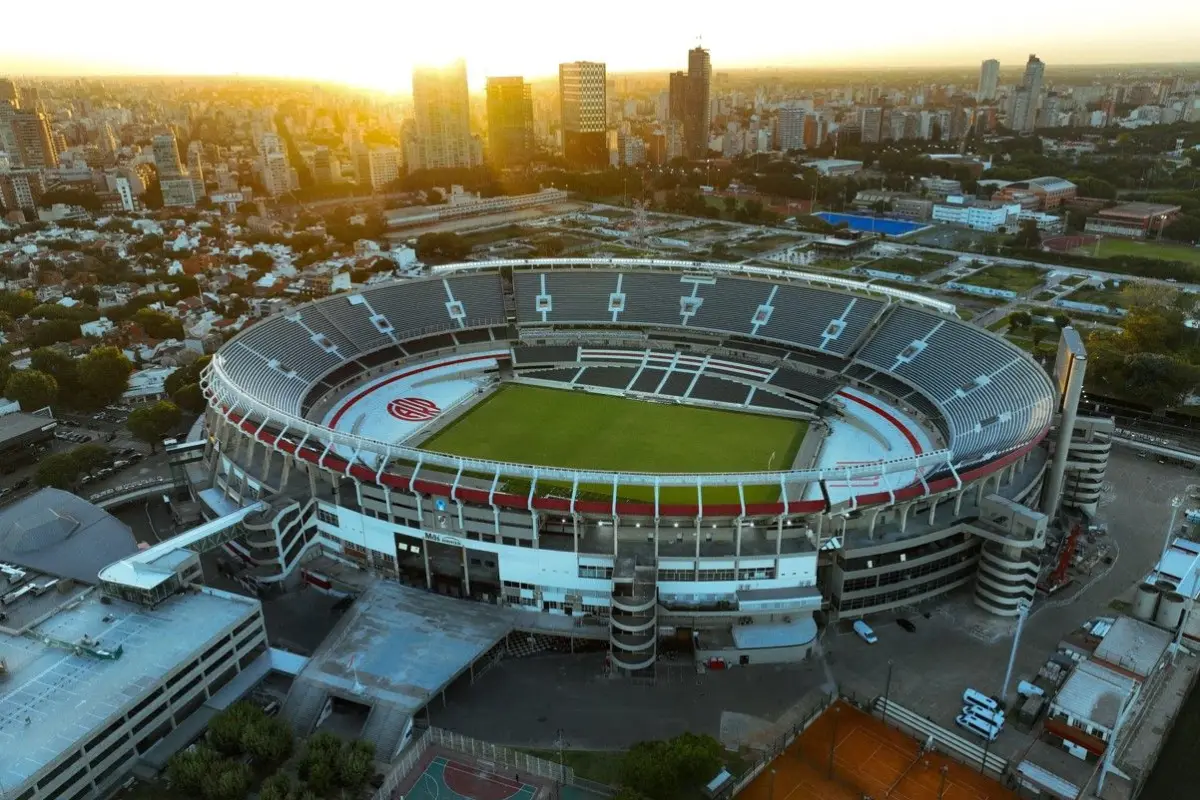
(1145, 602)
(1170, 611)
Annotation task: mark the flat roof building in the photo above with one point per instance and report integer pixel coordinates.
(94, 686)
(1132, 220)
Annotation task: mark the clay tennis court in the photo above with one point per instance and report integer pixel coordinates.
(869, 759)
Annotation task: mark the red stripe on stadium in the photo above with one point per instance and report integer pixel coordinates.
(413, 409)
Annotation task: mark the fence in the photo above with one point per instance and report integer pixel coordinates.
(947, 742)
(400, 770)
(520, 762)
(803, 716)
(491, 755)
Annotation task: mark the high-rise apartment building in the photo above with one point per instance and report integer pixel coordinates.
(442, 130)
(383, 165)
(583, 101)
(31, 136)
(8, 91)
(166, 156)
(790, 128)
(871, 123)
(989, 80)
(322, 166)
(697, 118)
(276, 173)
(677, 96)
(195, 161)
(510, 121)
(1027, 97)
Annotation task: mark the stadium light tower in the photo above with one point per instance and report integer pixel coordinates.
(1069, 370)
(1022, 615)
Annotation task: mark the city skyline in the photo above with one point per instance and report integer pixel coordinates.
(923, 34)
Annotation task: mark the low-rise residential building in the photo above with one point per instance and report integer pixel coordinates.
(896, 204)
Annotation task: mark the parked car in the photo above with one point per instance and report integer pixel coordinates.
(864, 632)
(906, 625)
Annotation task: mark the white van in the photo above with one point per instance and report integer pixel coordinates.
(978, 726)
(974, 698)
(864, 632)
(990, 717)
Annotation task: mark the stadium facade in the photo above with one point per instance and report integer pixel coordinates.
(922, 470)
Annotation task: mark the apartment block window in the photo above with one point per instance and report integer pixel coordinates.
(327, 516)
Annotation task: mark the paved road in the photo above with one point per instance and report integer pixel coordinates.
(960, 646)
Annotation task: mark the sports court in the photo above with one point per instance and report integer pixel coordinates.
(869, 759)
(447, 779)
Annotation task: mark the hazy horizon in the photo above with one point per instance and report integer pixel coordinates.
(252, 39)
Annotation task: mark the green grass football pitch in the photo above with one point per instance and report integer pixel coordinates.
(563, 428)
(1113, 246)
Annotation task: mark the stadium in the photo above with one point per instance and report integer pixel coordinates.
(642, 453)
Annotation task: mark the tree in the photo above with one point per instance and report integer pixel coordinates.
(104, 376)
(1019, 319)
(151, 423)
(731, 204)
(158, 325)
(676, 768)
(1185, 228)
(90, 457)
(58, 470)
(1157, 379)
(277, 787)
(88, 295)
(53, 331)
(1027, 237)
(329, 763)
(190, 399)
(1061, 320)
(259, 260)
(59, 366)
(1037, 335)
(31, 388)
(17, 304)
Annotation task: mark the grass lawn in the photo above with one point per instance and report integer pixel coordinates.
(1074, 280)
(904, 266)
(562, 428)
(1014, 279)
(767, 243)
(1131, 247)
(493, 235)
(1114, 298)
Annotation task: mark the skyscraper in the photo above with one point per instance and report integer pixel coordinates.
(1025, 101)
(510, 121)
(166, 156)
(697, 113)
(989, 80)
(442, 133)
(583, 100)
(8, 91)
(31, 135)
(790, 128)
(677, 92)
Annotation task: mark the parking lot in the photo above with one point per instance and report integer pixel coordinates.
(955, 645)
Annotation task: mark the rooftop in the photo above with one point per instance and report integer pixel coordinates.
(403, 645)
(13, 426)
(1134, 646)
(55, 532)
(1051, 184)
(54, 699)
(1094, 693)
(1138, 211)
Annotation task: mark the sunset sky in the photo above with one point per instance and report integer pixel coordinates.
(374, 44)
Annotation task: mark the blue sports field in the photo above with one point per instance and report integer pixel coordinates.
(888, 227)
